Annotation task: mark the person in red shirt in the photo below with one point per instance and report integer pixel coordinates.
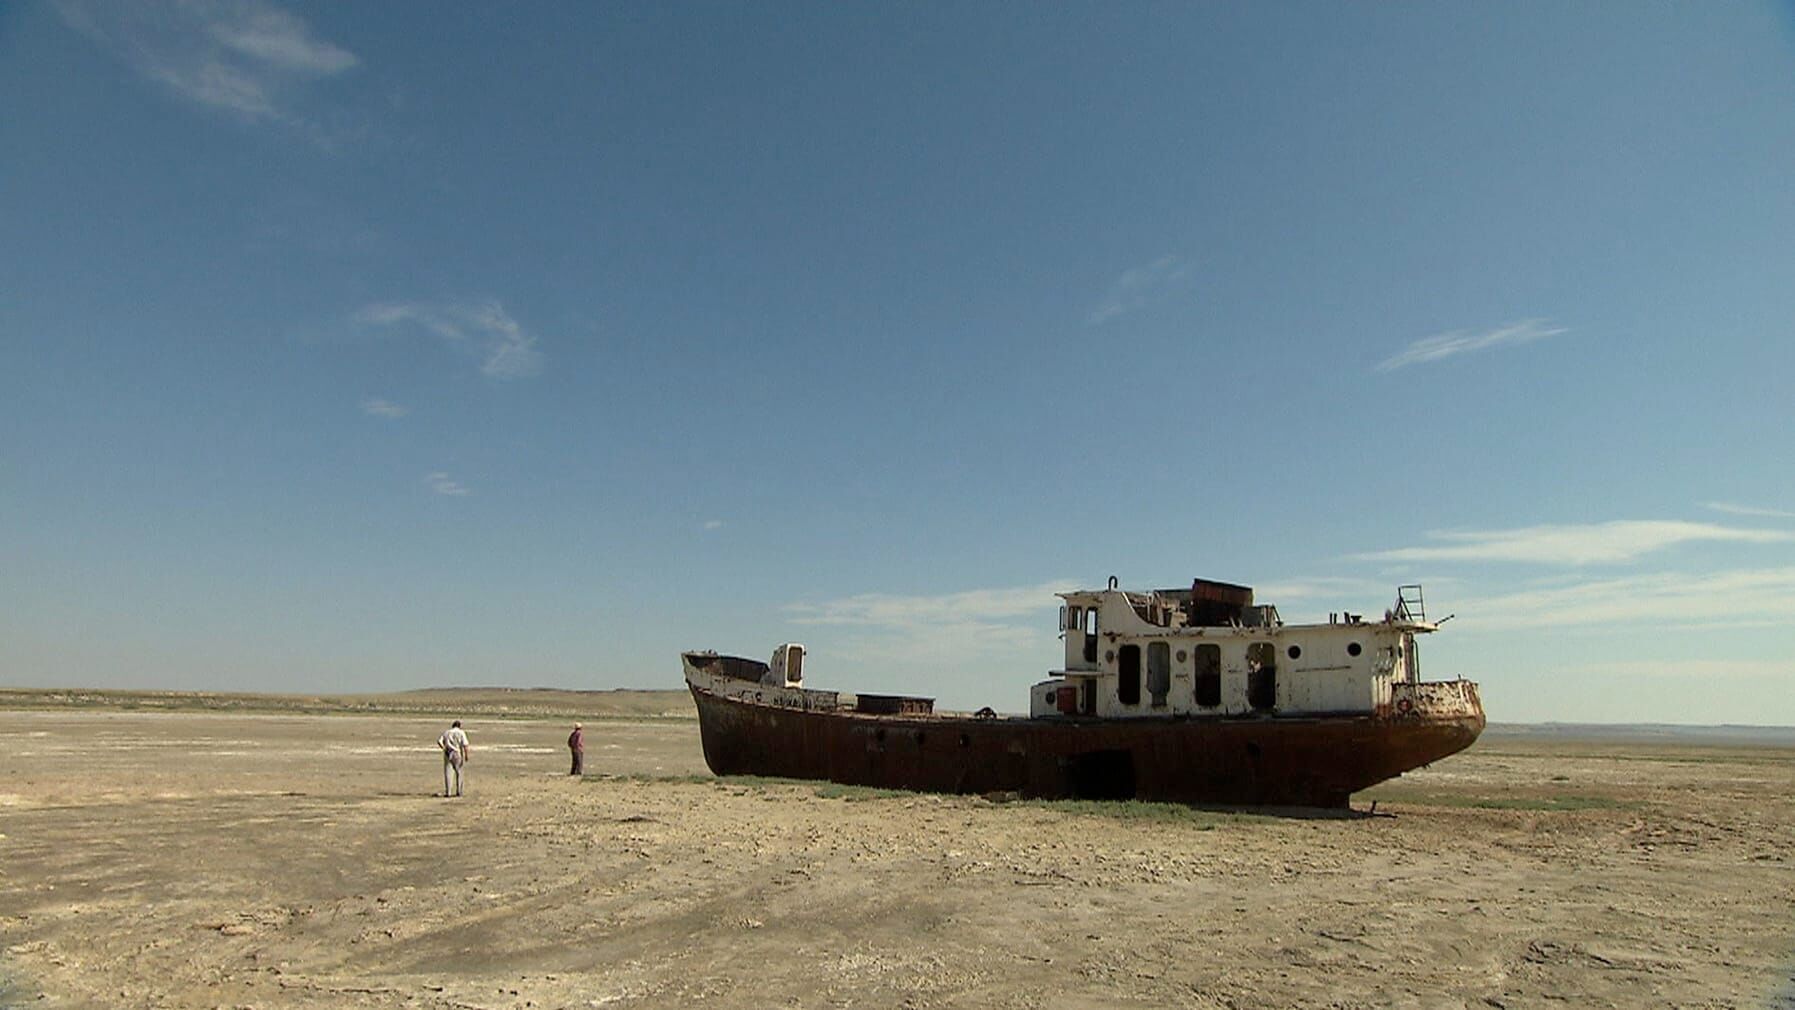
(576, 742)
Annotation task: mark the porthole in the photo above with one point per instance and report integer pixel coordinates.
(1353, 649)
(1181, 656)
(1294, 651)
(1110, 656)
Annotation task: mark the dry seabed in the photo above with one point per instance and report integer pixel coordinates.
(194, 860)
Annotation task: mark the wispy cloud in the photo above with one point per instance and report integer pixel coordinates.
(888, 634)
(713, 524)
(1707, 670)
(1748, 510)
(1137, 286)
(1735, 598)
(442, 484)
(241, 56)
(1594, 543)
(972, 607)
(374, 406)
(1445, 345)
(1328, 588)
(505, 350)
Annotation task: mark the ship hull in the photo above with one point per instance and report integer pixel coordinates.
(1315, 761)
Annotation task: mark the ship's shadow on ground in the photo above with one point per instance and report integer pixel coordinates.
(1302, 813)
(1289, 813)
(1150, 809)
(1119, 807)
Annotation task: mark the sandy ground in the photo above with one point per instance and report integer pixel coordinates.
(204, 860)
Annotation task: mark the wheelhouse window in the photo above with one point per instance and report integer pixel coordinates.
(1128, 675)
(1209, 676)
(1262, 676)
(1090, 634)
(1159, 672)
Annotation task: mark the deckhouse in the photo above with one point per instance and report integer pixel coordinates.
(1210, 652)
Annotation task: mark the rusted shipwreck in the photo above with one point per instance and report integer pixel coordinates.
(1194, 695)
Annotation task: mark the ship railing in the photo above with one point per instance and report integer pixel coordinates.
(1435, 699)
(1409, 605)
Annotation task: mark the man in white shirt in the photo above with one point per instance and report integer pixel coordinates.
(454, 748)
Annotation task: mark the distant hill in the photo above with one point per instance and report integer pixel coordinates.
(487, 702)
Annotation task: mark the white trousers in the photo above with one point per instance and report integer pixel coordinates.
(454, 774)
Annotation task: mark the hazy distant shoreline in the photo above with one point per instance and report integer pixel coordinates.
(1720, 736)
(486, 702)
(632, 703)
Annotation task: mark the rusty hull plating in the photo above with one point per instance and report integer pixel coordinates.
(1223, 723)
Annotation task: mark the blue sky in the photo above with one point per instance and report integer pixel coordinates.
(372, 346)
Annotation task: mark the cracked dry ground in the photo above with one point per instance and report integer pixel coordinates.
(169, 860)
